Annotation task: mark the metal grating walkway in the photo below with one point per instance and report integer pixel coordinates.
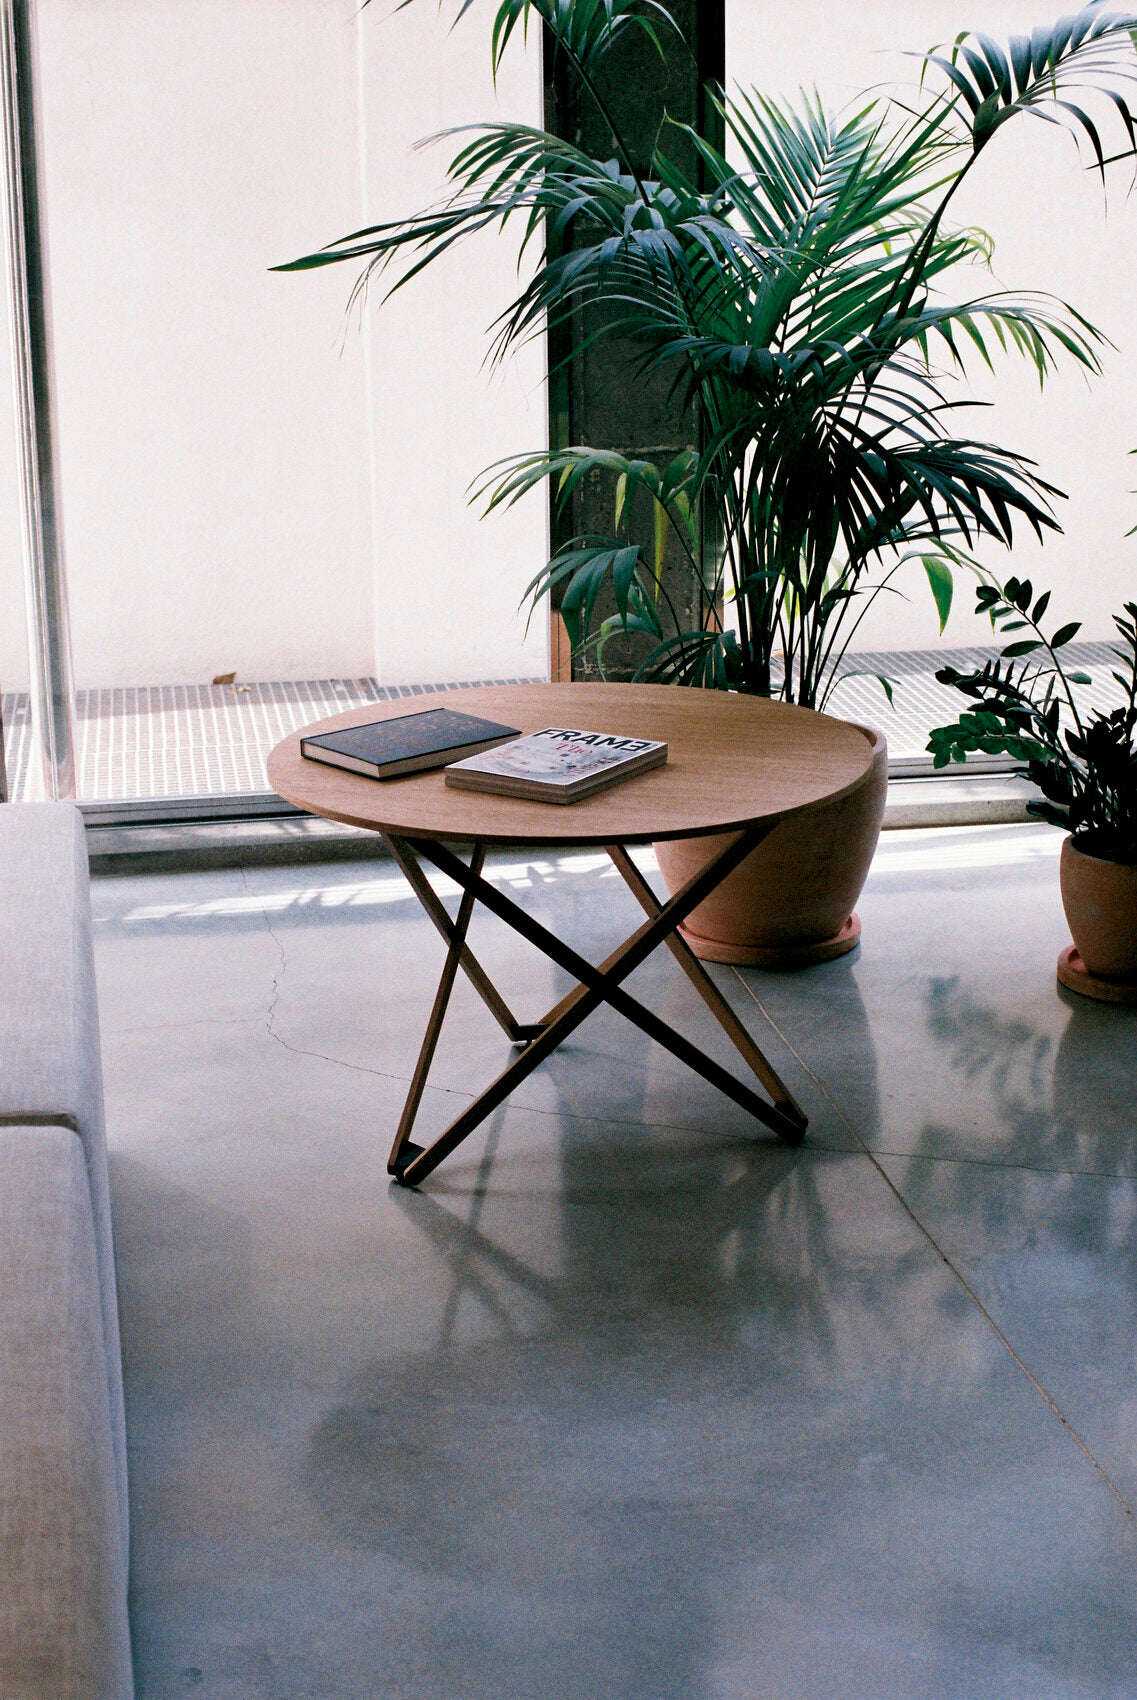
(166, 741)
(919, 703)
(163, 741)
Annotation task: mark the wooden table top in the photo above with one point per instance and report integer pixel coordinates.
(732, 761)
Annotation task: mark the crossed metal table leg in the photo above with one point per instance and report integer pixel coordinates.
(410, 1163)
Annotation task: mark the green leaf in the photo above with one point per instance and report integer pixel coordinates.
(943, 585)
(660, 527)
(885, 684)
(621, 497)
(1065, 633)
(624, 567)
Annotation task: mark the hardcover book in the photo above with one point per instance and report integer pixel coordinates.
(410, 743)
(559, 765)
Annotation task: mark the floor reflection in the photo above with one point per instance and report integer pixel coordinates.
(1068, 1106)
(702, 1359)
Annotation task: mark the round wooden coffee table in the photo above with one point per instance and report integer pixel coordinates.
(736, 765)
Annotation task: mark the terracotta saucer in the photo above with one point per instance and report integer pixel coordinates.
(1073, 973)
(761, 956)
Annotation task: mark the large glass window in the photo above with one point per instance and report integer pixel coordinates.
(256, 480)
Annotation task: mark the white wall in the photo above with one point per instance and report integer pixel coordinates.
(447, 582)
(217, 421)
(1046, 213)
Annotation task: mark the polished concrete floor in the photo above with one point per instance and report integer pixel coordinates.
(627, 1403)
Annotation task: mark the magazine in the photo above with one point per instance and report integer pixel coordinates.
(560, 764)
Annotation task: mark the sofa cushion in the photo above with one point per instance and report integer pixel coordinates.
(63, 1578)
(50, 1066)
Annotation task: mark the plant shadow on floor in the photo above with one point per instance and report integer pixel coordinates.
(1063, 1107)
(654, 1370)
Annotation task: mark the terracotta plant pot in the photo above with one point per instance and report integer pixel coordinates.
(790, 903)
(1100, 900)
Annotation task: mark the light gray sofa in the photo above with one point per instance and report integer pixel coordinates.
(64, 1525)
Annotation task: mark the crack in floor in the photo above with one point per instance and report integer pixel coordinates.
(302, 1050)
(190, 1021)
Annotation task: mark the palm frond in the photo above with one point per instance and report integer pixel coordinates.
(1088, 55)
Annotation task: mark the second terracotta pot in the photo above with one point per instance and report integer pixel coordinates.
(790, 903)
(1100, 900)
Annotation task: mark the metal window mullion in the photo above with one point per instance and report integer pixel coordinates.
(49, 634)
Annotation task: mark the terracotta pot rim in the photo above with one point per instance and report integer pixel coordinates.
(1070, 843)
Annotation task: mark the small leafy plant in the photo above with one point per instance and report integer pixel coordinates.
(1084, 765)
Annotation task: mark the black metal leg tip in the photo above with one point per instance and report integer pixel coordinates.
(791, 1128)
(524, 1032)
(399, 1165)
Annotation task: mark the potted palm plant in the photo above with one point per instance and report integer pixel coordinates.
(794, 291)
(1084, 764)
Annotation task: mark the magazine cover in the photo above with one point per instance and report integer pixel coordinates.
(560, 755)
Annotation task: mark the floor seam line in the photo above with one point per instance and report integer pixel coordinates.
(958, 1275)
(1009, 1168)
(525, 1109)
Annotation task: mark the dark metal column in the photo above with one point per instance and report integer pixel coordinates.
(589, 400)
(49, 634)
